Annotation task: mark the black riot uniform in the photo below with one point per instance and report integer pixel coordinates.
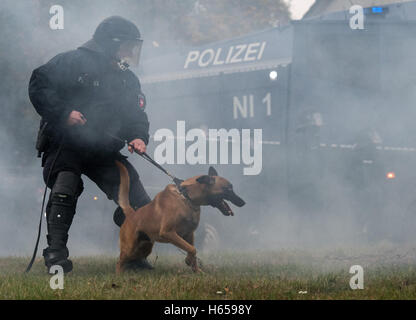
(94, 81)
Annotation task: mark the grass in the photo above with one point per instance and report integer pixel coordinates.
(261, 275)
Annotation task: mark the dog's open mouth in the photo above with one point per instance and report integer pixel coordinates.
(225, 208)
(219, 202)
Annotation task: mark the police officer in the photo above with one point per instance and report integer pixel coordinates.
(86, 98)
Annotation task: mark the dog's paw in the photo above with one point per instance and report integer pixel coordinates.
(196, 269)
(190, 260)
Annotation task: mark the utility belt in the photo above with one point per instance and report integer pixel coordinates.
(49, 137)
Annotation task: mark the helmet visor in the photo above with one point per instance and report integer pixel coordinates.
(130, 51)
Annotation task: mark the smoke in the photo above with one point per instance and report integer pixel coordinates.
(318, 193)
(351, 123)
(27, 42)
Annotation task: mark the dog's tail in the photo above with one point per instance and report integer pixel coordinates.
(123, 194)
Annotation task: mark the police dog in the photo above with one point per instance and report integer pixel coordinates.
(172, 216)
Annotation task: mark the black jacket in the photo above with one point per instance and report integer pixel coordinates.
(86, 80)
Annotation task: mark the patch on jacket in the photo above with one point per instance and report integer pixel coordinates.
(142, 101)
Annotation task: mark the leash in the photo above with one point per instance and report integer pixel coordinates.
(145, 156)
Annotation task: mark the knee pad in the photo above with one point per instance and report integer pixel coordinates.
(63, 199)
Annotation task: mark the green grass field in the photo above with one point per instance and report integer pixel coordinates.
(291, 274)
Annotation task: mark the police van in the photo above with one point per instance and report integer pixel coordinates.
(335, 109)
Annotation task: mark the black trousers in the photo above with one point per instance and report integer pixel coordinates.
(100, 168)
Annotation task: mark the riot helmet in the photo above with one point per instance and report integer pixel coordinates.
(120, 39)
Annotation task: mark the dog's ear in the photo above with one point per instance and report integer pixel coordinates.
(206, 179)
(212, 172)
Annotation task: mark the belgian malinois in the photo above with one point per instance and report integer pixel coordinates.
(172, 216)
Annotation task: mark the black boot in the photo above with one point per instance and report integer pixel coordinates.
(59, 214)
(57, 257)
(57, 253)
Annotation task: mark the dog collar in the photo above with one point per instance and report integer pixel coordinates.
(183, 191)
